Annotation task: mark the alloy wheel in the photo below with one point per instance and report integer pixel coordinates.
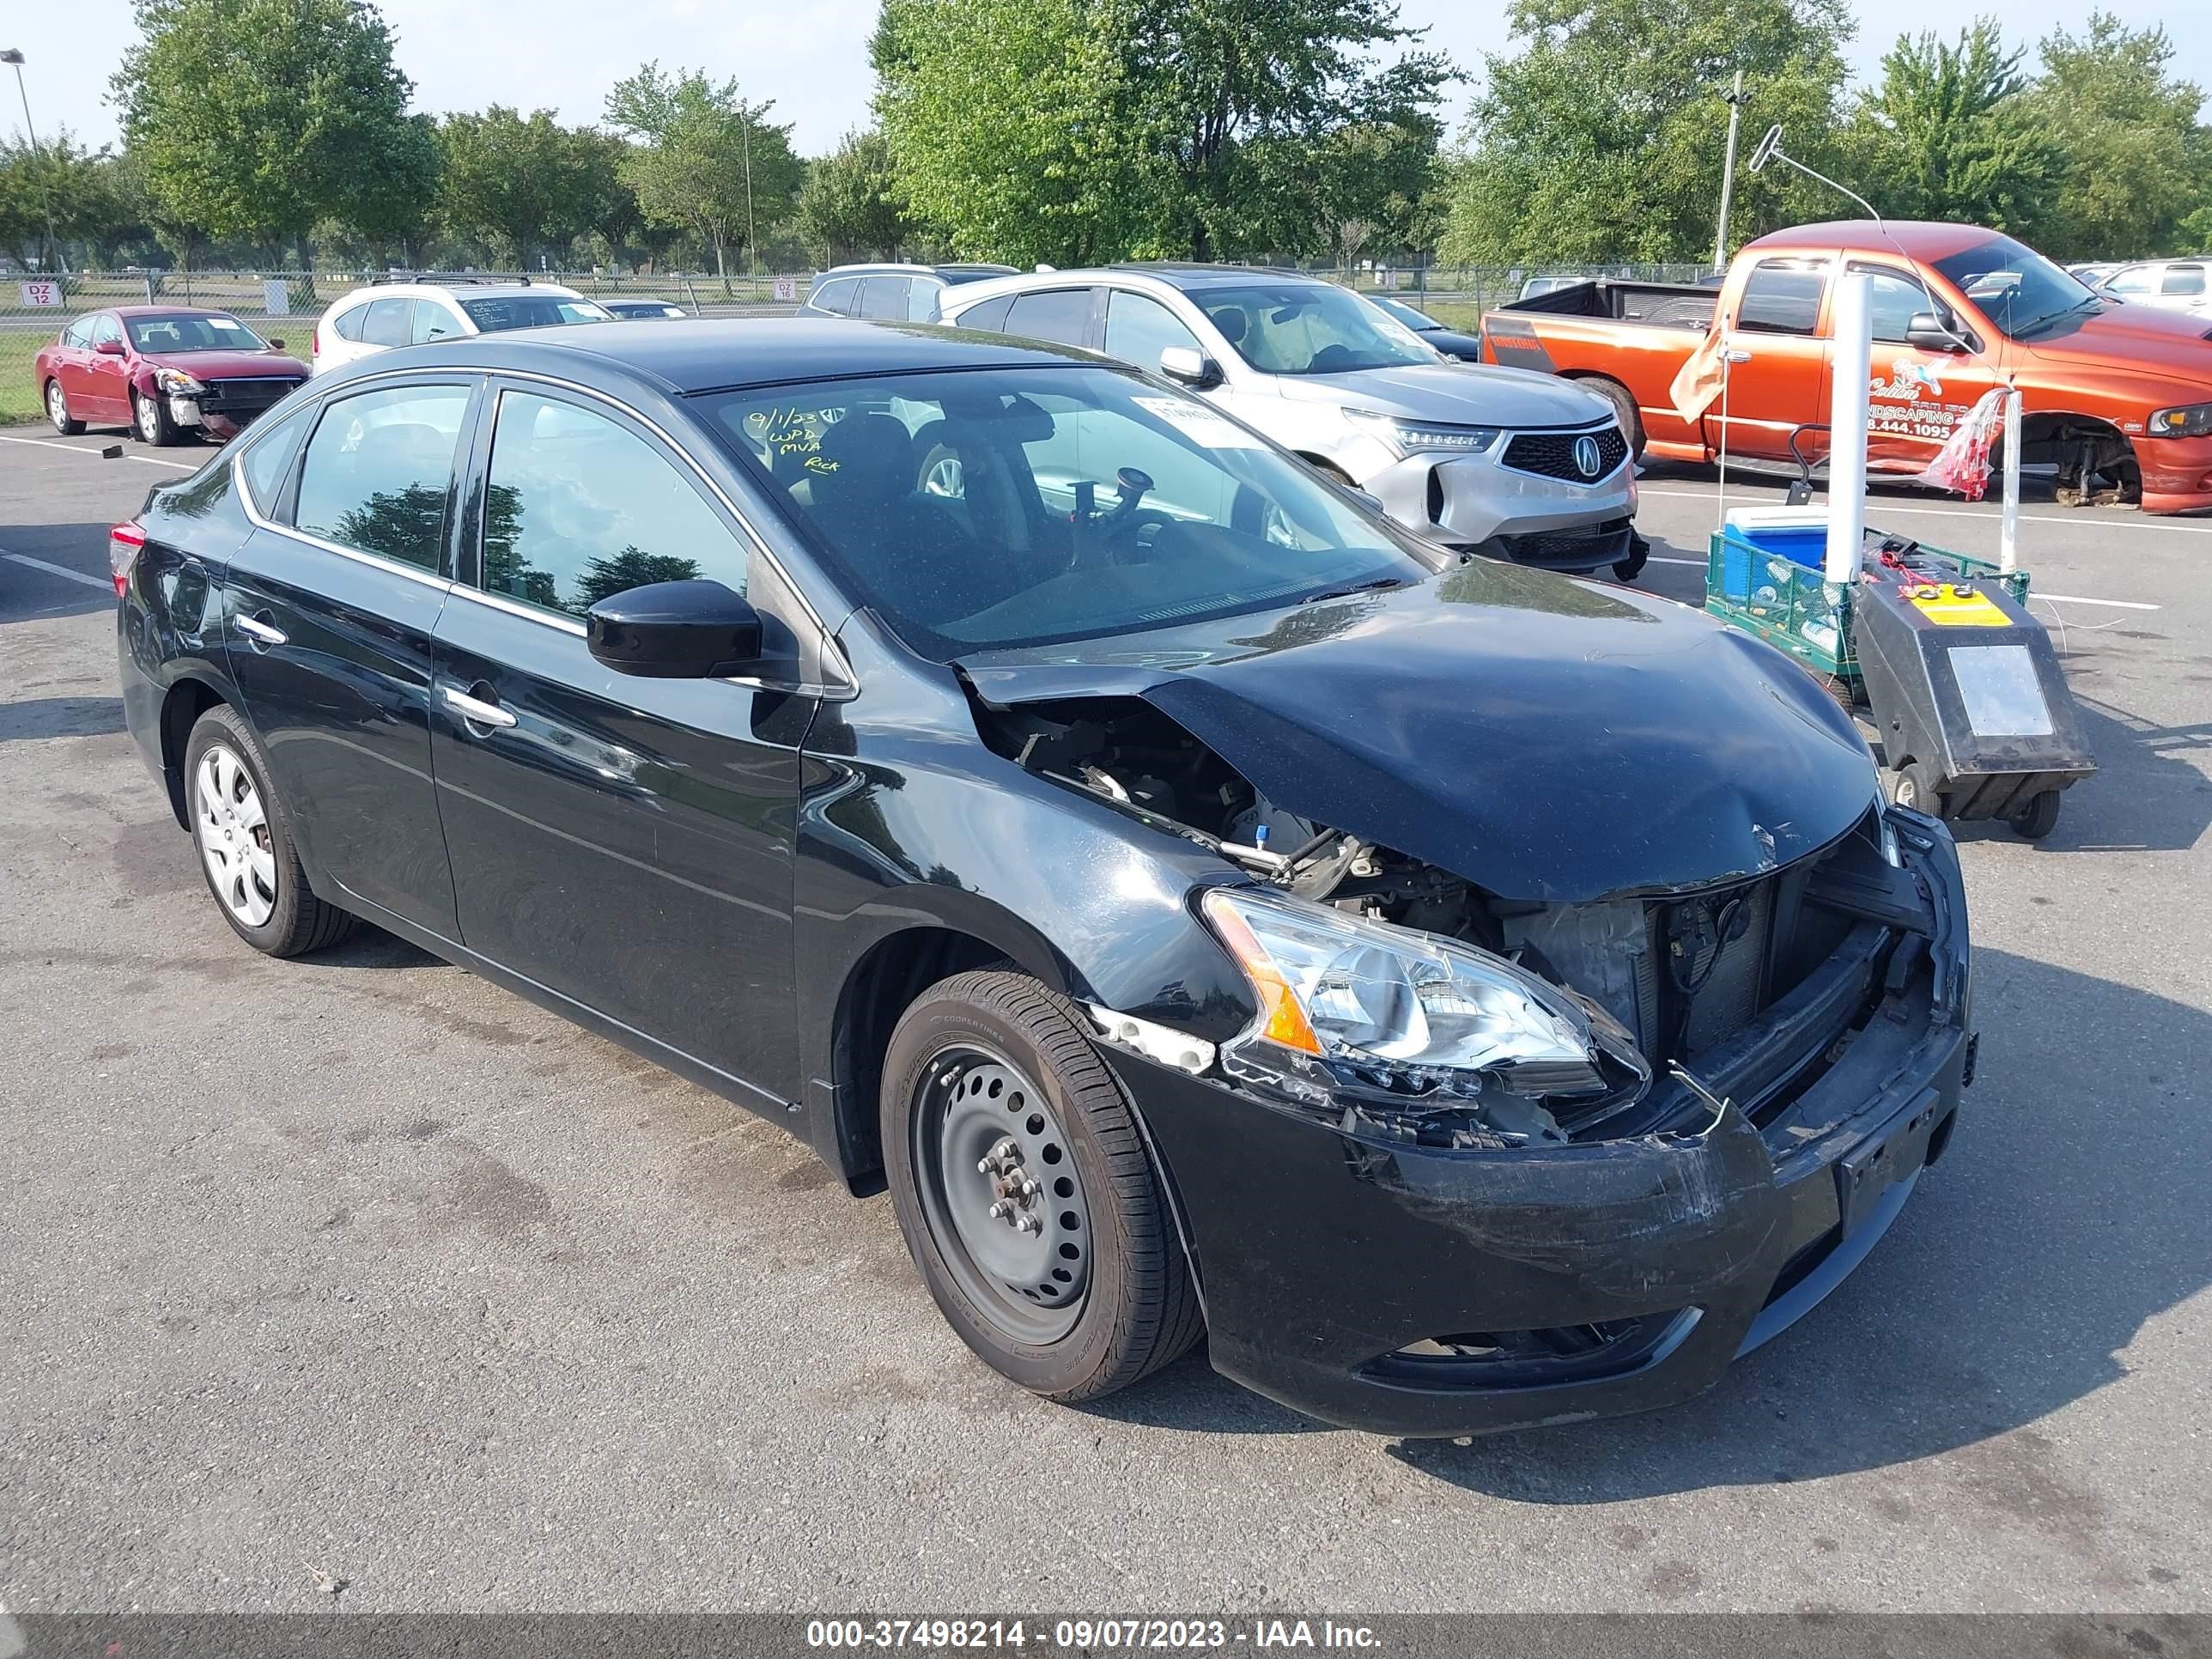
(149, 420)
(1002, 1195)
(232, 827)
(57, 405)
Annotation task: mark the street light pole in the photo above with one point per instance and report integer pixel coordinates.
(31, 140)
(1734, 99)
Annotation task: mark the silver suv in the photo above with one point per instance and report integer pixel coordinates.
(1500, 461)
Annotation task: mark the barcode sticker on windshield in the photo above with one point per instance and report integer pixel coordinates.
(1200, 425)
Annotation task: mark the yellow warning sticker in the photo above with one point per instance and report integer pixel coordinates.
(1950, 607)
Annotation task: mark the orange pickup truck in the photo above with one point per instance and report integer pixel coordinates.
(2117, 398)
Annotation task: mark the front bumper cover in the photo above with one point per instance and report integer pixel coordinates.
(1615, 1276)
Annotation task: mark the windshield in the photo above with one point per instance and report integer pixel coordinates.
(2020, 291)
(532, 310)
(1419, 322)
(209, 331)
(1309, 328)
(992, 507)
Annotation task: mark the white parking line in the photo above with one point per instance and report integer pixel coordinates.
(78, 449)
(105, 587)
(1880, 507)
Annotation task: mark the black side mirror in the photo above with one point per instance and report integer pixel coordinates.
(1188, 366)
(1927, 332)
(690, 630)
(276, 345)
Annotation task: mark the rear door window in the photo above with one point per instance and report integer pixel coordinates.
(990, 316)
(379, 470)
(1782, 296)
(1060, 314)
(2137, 279)
(390, 323)
(269, 458)
(883, 296)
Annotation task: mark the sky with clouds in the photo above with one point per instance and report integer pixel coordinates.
(810, 56)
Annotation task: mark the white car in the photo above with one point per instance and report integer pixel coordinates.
(382, 313)
(2168, 284)
(1499, 461)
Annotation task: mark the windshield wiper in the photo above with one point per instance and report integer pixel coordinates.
(2056, 317)
(1356, 587)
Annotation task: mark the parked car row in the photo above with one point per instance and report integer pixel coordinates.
(167, 370)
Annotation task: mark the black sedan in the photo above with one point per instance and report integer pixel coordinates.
(1467, 347)
(1469, 996)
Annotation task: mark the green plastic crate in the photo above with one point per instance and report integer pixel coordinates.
(1794, 608)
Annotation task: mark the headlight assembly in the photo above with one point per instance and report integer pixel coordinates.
(175, 380)
(1403, 438)
(2193, 420)
(1421, 1034)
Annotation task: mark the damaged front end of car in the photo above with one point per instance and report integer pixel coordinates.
(1589, 1147)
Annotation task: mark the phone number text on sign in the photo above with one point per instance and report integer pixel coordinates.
(42, 294)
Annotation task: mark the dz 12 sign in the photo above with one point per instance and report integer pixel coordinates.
(42, 294)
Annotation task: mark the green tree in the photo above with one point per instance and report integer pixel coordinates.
(1000, 118)
(60, 183)
(850, 202)
(2137, 162)
(506, 180)
(1949, 133)
(706, 158)
(1601, 139)
(254, 118)
(1071, 130)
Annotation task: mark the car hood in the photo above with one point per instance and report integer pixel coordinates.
(1471, 394)
(228, 365)
(1549, 739)
(2169, 344)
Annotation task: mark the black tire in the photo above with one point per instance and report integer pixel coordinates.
(1139, 1309)
(1624, 408)
(1639, 555)
(298, 922)
(1914, 785)
(2039, 817)
(149, 420)
(64, 422)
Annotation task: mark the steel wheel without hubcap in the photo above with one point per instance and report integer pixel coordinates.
(232, 827)
(1001, 1193)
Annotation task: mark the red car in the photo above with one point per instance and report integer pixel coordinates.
(162, 370)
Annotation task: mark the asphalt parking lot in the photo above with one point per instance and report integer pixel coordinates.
(357, 1271)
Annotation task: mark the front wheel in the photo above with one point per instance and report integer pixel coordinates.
(1624, 410)
(244, 845)
(1026, 1193)
(58, 411)
(151, 417)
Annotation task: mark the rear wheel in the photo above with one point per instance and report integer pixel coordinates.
(58, 411)
(1624, 409)
(1026, 1193)
(150, 416)
(245, 846)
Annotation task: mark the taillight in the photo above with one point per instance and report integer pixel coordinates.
(315, 343)
(123, 542)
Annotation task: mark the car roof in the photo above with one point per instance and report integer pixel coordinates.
(894, 268)
(703, 355)
(473, 290)
(1186, 275)
(161, 311)
(1918, 239)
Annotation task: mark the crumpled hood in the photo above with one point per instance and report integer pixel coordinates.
(204, 366)
(1468, 394)
(1546, 738)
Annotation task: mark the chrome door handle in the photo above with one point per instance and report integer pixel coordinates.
(258, 631)
(475, 710)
